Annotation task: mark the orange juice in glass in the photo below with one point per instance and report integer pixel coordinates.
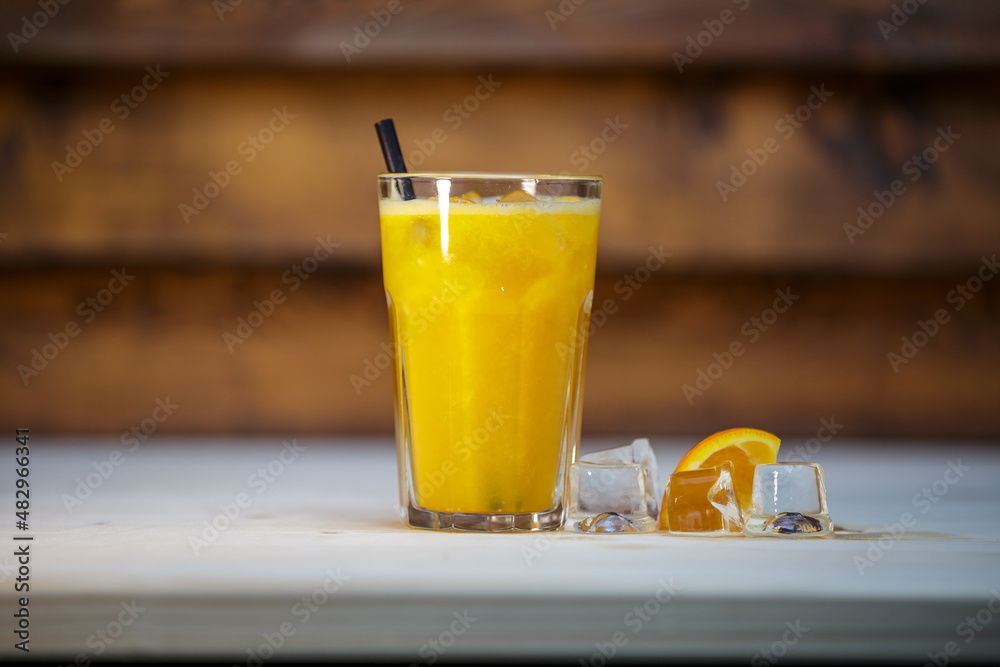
(489, 281)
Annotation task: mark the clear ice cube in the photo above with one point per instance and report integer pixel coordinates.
(608, 487)
(607, 522)
(788, 500)
(640, 453)
(793, 522)
(619, 482)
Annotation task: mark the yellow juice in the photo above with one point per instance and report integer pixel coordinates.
(489, 305)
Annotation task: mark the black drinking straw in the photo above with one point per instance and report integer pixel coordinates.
(393, 155)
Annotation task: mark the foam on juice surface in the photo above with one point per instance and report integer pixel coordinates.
(488, 309)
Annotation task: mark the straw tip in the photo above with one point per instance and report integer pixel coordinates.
(393, 154)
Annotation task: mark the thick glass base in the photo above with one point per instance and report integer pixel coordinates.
(483, 523)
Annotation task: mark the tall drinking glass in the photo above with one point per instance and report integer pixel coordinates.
(489, 280)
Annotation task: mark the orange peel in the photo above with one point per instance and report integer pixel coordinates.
(743, 448)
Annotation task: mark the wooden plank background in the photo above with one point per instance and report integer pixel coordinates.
(678, 139)
(520, 33)
(669, 139)
(314, 365)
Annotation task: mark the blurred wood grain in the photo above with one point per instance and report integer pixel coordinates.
(664, 143)
(207, 151)
(315, 364)
(516, 33)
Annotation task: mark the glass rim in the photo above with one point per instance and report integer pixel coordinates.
(490, 175)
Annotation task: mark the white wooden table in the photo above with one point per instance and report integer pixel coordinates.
(317, 564)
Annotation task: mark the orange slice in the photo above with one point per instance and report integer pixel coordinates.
(743, 448)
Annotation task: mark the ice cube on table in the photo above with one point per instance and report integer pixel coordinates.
(793, 522)
(788, 500)
(701, 502)
(619, 481)
(640, 453)
(607, 522)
